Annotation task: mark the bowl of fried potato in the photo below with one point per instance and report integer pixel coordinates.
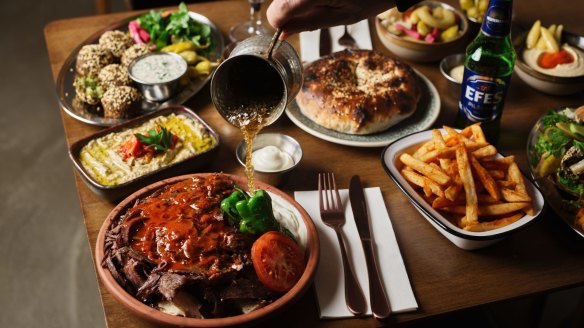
(462, 185)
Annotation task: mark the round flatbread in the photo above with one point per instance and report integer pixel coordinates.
(358, 92)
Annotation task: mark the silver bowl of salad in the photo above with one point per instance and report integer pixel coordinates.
(555, 151)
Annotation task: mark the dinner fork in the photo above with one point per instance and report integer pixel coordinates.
(332, 214)
(347, 41)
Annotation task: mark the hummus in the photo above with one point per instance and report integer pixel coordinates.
(575, 68)
(103, 161)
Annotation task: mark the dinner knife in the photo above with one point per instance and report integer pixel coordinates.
(325, 42)
(379, 302)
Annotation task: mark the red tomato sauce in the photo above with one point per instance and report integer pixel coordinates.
(183, 225)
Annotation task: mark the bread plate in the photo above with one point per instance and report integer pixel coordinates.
(425, 115)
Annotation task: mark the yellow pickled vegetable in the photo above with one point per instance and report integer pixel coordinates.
(548, 165)
(423, 29)
(466, 4)
(179, 47)
(533, 35)
(449, 33)
(189, 56)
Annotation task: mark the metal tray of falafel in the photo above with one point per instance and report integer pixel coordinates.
(94, 85)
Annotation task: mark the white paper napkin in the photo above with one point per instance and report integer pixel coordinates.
(329, 279)
(309, 41)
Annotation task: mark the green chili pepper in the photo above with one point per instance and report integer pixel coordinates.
(228, 205)
(253, 214)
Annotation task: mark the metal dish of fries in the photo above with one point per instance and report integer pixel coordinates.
(462, 185)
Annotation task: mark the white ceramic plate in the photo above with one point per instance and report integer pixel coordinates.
(464, 239)
(425, 115)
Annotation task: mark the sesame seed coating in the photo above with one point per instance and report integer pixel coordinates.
(116, 42)
(92, 58)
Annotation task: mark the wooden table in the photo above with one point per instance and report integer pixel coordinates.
(541, 259)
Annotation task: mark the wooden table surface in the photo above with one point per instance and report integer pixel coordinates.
(543, 258)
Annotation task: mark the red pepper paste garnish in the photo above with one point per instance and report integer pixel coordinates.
(552, 59)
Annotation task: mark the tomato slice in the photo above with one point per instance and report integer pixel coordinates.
(278, 261)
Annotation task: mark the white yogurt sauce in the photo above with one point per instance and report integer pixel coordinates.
(271, 158)
(457, 72)
(158, 68)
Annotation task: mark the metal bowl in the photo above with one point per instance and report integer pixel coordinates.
(158, 91)
(283, 142)
(446, 66)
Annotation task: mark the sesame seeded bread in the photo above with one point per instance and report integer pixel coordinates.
(358, 92)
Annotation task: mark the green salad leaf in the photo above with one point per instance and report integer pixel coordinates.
(165, 29)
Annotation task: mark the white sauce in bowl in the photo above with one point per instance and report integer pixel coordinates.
(158, 68)
(457, 72)
(271, 158)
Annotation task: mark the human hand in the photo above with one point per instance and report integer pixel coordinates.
(295, 16)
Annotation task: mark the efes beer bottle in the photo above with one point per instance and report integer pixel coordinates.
(487, 71)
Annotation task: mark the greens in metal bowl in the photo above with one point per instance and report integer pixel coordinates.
(556, 160)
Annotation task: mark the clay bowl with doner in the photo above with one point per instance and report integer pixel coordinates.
(411, 46)
(299, 223)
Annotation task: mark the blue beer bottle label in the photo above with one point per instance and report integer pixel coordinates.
(482, 96)
(496, 22)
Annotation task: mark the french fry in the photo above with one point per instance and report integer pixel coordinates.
(447, 152)
(438, 140)
(515, 196)
(490, 210)
(495, 224)
(478, 133)
(451, 162)
(485, 178)
(428, 170)
(497, 174)
(468, 184)
(413, 177)
(485, 151)
(426, 147)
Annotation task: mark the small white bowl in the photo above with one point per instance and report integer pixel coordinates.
(467, 240)
(545, 83)
(281, 141)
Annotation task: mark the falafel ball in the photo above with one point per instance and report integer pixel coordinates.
(113, 75)
(120, 101)
(116, 42)
(88, 89)
(134, 52)
(91, 59)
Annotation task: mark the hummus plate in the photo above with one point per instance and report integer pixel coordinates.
(108, 173)
(546, 83)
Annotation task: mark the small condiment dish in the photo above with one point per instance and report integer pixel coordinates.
(446, 66)
(420, 50)
(158, 85)
(553, 85)
(286, 144)
(467, 240)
